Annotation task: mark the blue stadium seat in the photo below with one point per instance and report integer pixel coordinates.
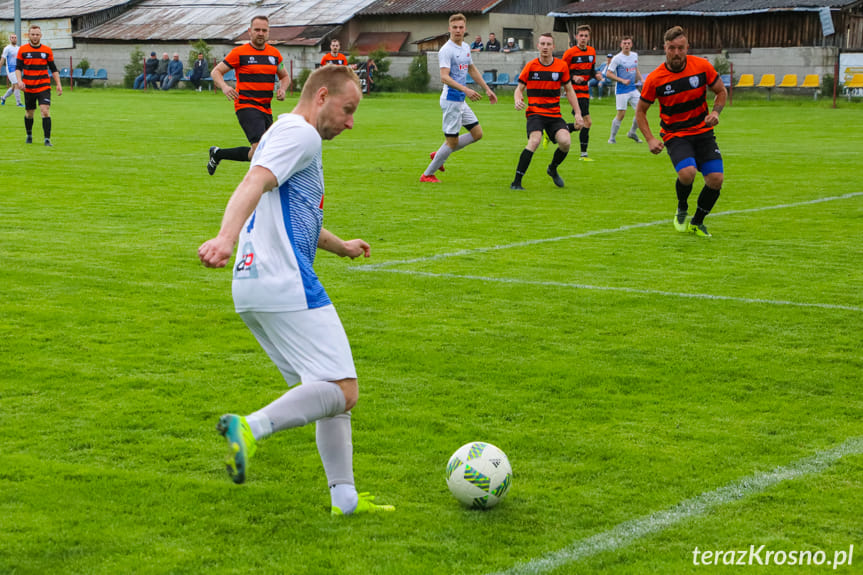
(502, 80)
(78, 74)
(230, 76)
(90, 74)
(488, 77)
(64, 74)
(102, 74)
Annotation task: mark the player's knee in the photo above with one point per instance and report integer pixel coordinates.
(476, 132)
(687, 175)
(714, 180)
(563, 141)
(351, 391)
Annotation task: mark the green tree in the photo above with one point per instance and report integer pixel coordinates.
(418, 75)
(199, 47)
(134, 67)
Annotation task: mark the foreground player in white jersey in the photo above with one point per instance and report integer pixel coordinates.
(623, 69)
(455, 65)
(276, 213)
(8, 61)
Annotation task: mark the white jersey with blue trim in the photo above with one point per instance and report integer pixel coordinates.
(457, 58)
(277, 245)
(624, 67)
(10, 52)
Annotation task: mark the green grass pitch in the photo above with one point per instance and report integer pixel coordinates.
(627, 370)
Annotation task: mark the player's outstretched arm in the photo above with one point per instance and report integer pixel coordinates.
(477, 77)
(351, 248)
(216, 252)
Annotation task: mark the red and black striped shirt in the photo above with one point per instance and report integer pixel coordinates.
(682, 97)
(582, 63)
(543, 85)
(256, 75)
(36, 64)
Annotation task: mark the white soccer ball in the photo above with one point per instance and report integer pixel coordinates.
(479, 475)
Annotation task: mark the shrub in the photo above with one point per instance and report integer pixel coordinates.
(418, 75)
(300, 80)
(134, 67)
(84, 64)
(722, 64)
(199, 47)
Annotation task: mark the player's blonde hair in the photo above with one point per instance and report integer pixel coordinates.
(457, 17)
(674, 33)
(333, 78)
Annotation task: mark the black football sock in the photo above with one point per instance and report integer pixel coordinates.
(584, 137)
(706, 200)
(28, 125)
(682, 195)
(240, 154)
(558, 158)
(523, 164)
(46, 127)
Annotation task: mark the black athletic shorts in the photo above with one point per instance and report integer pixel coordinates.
(254, 123)
(583, 107)
(550, 125)
(700, 151)
(31, 99)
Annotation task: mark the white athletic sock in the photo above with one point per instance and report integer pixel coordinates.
(615, 126)
(333, 437)
(439, 158)
(344, 497)
(464, 140)
(634, 128)
(260, 425)
(304, 403)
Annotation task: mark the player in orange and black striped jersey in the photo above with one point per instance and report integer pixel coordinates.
(256, 64)
(542, 79)
(334, 56)
(35, 68)
(680, 85)
(581, 60)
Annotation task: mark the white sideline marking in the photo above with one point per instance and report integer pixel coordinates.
(597, 232)
(630, 531)
(622, 289)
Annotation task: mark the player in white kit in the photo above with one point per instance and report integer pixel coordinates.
(8, 61)
(455, 65)
(275, 217)
(623, 68)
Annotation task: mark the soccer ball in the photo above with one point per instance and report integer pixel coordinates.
(479, 475)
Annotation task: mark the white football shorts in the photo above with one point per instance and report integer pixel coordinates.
(456, 115)
(13, 77)
(306, 345)
(630, 98)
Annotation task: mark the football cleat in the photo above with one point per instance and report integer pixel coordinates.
(2, 101)
(213, 163)
(612, 141)
(584, 158)
(429, 179)
(48, 143)
(29, 140)
(364, 505)
(699, 230)
(558, 181)
(241, 445)
(680, 221)
(432, 155)
(516, 186)
(634, 136)
(544, 140)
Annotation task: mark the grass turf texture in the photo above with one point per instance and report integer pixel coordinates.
(119, 351)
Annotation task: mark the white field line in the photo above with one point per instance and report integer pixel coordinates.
(597, 232)
(630, 531)
(621, 289)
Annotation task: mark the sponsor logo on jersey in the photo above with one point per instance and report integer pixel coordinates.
(693, 81)
(555, 76)
(272, 60)
(246, 267)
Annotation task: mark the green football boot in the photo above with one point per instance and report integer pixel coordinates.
(680, 221)
(699, 230)
(241, 445)
(365, 505)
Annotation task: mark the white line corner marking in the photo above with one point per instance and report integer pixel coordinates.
(630, 531)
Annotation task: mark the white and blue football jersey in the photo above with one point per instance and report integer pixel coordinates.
(457, 58)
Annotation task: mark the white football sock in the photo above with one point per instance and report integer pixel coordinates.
(615, 126)
(304, 403)
(439, 158)
(464, 140)
(333, 437)
(344, 497)
(634, 128)
(260, 425)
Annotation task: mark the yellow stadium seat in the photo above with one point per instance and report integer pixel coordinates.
(789, 81)
(767, 81)
(855, 83)
(745, 81)
(811, 81)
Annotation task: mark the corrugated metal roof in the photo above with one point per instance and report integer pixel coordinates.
(297, 12)
(368, 42)
(44, 9)
(294, 35)
(163, 20)
(396, 7)
(635, 8)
